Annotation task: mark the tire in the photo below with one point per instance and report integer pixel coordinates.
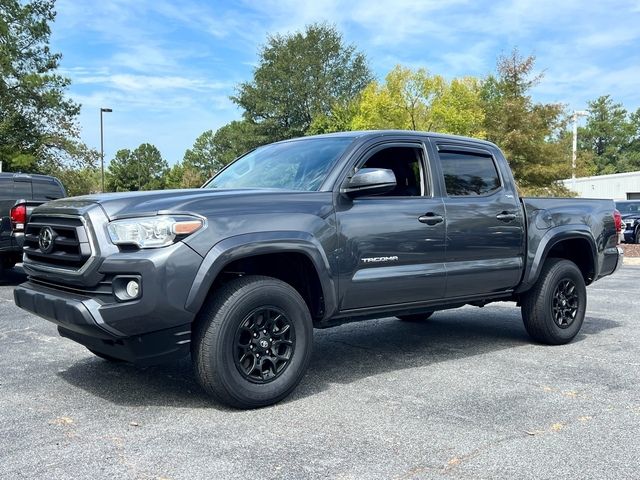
(106, 357)
(636, 237)
(418, 317)
(245, 320)
(553, 310)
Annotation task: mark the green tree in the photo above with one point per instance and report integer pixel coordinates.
(631, 151)
(299, 77)
(235, 139)
(608, 134)
(532, 135)
(181, 176)
(202, 157)
(140, 169)
(418, 100)
(79, 181)
(37, 122)
(173, 176)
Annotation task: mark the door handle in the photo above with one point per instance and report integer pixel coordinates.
(431, 218)
(506, 217)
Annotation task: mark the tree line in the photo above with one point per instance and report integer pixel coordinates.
(307, 82)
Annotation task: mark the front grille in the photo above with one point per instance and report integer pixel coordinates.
(70, 247)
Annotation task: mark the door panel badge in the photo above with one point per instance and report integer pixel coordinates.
(392, 258)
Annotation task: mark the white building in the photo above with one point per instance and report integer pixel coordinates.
(618, 186)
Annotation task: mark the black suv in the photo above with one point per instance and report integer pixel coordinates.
(630, 212)
(19, 194)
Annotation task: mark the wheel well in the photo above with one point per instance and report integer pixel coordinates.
(579, 251)
(294, 268)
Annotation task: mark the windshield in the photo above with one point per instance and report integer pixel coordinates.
(299, 165)
(626, 208)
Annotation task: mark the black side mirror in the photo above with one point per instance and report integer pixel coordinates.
(369, 181)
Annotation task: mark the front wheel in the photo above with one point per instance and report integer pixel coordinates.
(252, 342)
(553, 310)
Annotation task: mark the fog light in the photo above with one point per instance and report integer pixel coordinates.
(133, 289)
(127, 287)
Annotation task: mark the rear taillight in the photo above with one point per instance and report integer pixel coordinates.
(18, 216)
(617, 218)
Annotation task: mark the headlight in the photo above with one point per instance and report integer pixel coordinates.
(153, 232)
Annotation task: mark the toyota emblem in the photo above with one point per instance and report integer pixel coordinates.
(45, 240)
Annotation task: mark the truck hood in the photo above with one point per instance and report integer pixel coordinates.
(127, 204)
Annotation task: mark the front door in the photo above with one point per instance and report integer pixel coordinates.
(392, 245)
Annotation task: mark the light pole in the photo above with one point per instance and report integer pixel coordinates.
(102, 110)
(576, 114)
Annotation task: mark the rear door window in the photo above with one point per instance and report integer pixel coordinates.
(469, 173)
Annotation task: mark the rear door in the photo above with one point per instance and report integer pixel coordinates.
(389, 252)
(485, 225)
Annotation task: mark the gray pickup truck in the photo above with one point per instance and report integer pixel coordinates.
(310, 233)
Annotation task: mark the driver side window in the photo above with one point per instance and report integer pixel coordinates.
(407, 165)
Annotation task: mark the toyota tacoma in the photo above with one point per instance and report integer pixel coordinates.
(310, 233)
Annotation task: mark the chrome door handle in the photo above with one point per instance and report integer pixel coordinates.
(506, 217)
(431, 218)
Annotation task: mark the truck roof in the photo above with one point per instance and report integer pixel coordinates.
(380, 133)
(29, 176)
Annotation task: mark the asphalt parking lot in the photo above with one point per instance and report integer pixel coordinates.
(464, 395)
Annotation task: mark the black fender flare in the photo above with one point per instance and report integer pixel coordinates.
(550, 239)
(251, 244)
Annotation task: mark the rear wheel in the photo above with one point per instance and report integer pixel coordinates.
(252, 342)
(418, 317)
(553, 310)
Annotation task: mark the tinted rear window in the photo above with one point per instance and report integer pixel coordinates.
(6, 187)
(45, 190)
(22, 190)
(469, 174)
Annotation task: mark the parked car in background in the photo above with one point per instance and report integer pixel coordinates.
(630, 211)
(19, 195)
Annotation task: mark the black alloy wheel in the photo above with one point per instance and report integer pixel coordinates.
(565, 303)
(265, 343)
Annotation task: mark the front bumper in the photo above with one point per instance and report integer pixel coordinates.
(152, 326)
(79, 319)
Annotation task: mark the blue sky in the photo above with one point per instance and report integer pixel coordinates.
(167, 68)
